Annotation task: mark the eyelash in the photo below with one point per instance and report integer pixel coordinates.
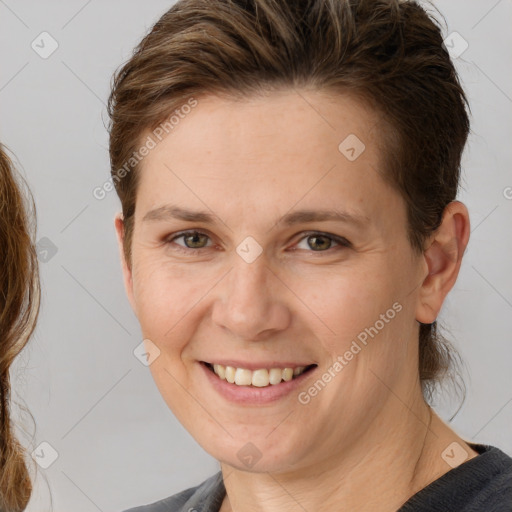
(343, 242)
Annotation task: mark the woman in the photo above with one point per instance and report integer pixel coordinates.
(288, 174)
(19, 308)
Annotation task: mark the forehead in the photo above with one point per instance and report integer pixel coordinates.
(291, 123)
(269, 153)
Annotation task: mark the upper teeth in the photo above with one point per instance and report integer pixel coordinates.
(259, 378)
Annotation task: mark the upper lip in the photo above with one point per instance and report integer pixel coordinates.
(251, 365)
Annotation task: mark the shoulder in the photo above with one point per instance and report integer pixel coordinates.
(205, 497)
(481, 483)
(495, 474)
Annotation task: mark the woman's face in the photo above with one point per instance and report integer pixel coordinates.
(270, 281)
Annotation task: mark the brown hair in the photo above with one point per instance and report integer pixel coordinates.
(19, 308)
(389, 53)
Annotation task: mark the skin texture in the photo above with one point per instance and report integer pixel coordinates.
(249, 162)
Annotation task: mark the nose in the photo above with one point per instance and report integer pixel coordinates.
(251, 302)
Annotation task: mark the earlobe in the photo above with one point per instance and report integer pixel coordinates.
(443, 258)
(127, 271)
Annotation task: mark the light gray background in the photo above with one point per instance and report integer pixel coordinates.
(92, 400)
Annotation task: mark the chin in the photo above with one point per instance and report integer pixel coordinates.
(259, 455)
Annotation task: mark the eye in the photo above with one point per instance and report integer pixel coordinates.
(191, 239)
(315, 241)
(322, 242)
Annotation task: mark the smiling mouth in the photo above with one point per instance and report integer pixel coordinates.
(258, 378)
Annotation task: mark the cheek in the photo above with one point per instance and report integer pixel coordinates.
(350, 299)
(160, 296)
(170, 300)
(365, 318)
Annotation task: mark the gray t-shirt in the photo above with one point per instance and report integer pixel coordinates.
(482, 484)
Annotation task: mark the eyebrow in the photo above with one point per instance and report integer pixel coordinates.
(169, 212)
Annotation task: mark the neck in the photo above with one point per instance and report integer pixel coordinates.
(375, 473)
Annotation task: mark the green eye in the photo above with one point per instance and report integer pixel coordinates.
(192, 240)
(314, 241)
(319, 242)
(322, 242)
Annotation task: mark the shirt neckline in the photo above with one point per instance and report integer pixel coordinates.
(213, 499)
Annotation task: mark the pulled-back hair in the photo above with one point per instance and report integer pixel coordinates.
(19, 308)
(388, 53)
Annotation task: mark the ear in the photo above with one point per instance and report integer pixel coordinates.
(127, 271)
(443, 259)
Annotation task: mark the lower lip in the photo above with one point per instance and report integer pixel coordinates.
(252, 395)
